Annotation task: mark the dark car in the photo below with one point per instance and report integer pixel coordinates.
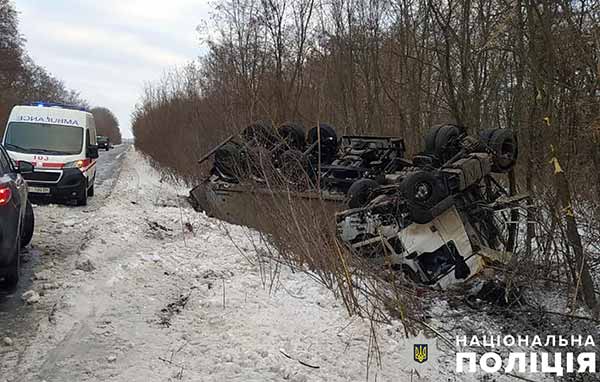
(16, 217)
(103, 142)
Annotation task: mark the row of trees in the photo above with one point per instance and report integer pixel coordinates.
(107, 124)
(398, 67)
(22, 80)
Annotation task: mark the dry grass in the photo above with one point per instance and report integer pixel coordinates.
(297, 230)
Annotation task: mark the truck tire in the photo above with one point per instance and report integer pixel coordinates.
(430, 138)
(446, 142)
(503, 143)
(327, 131)
(28, 226)
(294, 134)
(260, 134)
(228, 159)
(360, 191)
(423, 189)
(442, 141)
(328, 146)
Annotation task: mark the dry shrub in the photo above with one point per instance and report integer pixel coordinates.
(298, 230)
(547, 260)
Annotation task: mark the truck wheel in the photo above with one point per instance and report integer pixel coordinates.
(329, 143)
(261, 134)
(12, 271)
(442, 141)
(28, 224)
(446, 144)
(424, 189)
(327, 131)
(503, 143)
(294, 134)
(83, 197)
(430, 138)
(228, 159)
(359, 192)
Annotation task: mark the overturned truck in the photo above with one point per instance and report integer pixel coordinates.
(289, 162)
(444, 214)
(438, 217)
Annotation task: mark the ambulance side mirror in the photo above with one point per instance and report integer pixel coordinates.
(92, 151)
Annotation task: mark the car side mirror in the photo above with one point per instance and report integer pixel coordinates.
(24, 167)
(92, 151)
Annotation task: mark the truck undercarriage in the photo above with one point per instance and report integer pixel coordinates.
(439, 217)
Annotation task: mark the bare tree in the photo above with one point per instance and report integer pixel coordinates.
(107, 124)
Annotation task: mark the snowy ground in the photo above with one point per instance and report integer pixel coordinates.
(139, 287)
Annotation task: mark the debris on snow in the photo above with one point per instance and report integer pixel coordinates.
(175, 307)
(155, 226)
(157, 230)
(30, 297)
(42, 275)
(493, 292)
(69, 223)
(7, 341)
(50, 286)
(303, 363)
(85, 265)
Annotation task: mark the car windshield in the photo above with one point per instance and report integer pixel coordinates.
(102, 139)
(42, 138)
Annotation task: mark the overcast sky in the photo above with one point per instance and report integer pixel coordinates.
(108, 49)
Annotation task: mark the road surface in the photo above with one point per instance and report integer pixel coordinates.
(51, 243)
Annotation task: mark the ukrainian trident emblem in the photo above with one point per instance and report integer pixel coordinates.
(420, 353)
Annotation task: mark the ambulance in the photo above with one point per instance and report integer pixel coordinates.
(60, 142)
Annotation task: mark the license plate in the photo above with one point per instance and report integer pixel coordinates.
(39, 190)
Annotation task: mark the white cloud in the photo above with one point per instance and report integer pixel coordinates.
(126, 46)
(108, 49)
(154, 10)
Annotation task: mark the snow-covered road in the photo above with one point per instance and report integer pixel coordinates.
(139, 287)
(53, 237)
